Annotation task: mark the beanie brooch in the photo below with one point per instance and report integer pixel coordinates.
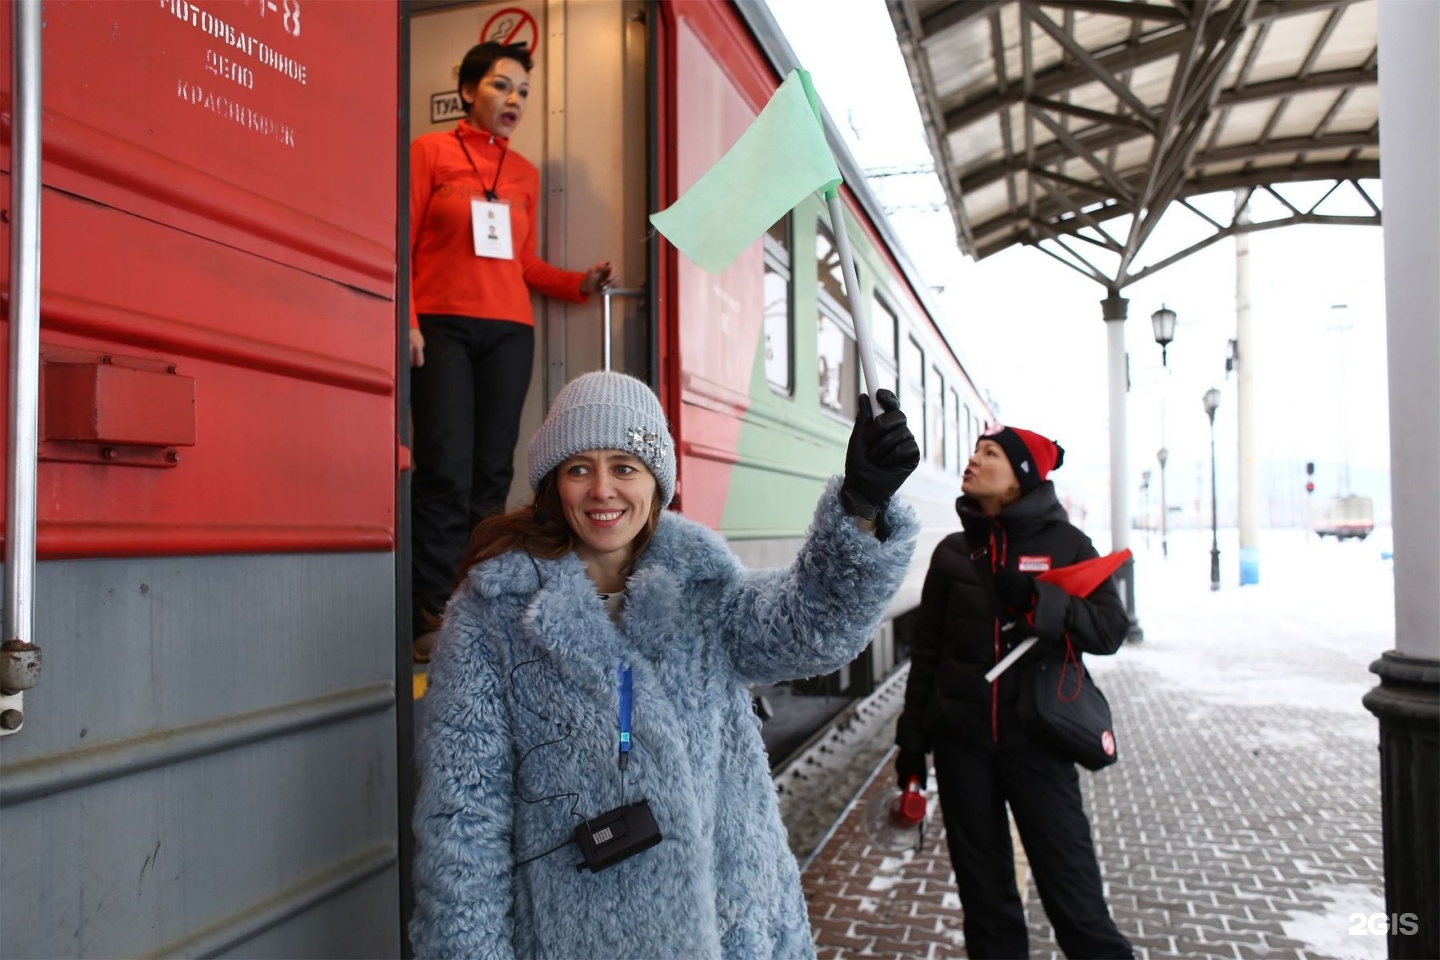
(647, 446)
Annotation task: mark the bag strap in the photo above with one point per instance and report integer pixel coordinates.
(1070, 657)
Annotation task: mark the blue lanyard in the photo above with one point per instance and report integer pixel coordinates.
(626, 696)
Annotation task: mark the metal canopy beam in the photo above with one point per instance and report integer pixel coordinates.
(1097, 71)
(954, 14)
(1120, 8)
(1155, 101)
(1288, 145)
(1061, 79)
(1275, 89)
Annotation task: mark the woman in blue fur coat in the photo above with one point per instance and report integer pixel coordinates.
(523, 742)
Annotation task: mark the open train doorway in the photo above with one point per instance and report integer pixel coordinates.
(584, 128)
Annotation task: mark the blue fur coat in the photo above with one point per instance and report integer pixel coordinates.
(521, 725)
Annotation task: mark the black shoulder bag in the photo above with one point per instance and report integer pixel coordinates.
(1071, 713)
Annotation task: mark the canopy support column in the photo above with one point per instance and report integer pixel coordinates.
(1115, 309)
(1242, 359)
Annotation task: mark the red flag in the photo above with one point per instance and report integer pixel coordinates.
(1081, 579)
(1078, 580)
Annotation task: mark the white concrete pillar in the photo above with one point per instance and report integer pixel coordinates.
(1248, 494)
(1115, 308)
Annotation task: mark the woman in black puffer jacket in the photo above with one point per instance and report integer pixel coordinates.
(980, 583)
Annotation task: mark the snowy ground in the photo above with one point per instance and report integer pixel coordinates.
(1282, 666)
(1305, 635)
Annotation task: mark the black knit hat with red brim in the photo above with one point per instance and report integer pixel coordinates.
(1031, 456)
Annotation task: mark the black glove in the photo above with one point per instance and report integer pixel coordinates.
(1015, 589)
(882, 453)
(911, 763)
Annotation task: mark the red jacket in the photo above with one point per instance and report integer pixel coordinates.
(445, 274)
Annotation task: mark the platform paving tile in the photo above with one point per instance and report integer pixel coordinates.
(1221, 828)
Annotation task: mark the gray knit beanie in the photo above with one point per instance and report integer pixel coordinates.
(605, 411)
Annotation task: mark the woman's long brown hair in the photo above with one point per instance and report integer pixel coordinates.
(540, 529)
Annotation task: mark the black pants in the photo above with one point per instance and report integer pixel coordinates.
(1043, 792)
(466, 402)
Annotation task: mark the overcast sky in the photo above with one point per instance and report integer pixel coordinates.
(1029, 329)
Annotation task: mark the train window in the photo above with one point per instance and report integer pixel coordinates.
(955, 454)
(967, 442)
(912, 387)
(935, 422)
(836, 356)
(836, 362)
(827, 267)
(883, 325)
(882, 330)
(779, 310)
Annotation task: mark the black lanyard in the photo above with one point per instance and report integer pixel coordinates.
(490, 193)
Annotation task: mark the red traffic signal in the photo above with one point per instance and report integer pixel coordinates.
(1309, 486)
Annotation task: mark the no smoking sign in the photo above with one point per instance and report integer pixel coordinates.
(512, 26)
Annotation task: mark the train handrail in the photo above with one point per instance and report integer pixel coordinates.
(607, 293)
(21, 657)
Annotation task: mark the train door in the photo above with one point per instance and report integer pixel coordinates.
(585, 129)
(208, 763)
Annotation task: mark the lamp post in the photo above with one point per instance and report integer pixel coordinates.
(1162, 455)
(1162, 321)
(1212, 401)
(1145, 505)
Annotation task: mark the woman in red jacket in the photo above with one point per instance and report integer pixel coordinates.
(474, 209)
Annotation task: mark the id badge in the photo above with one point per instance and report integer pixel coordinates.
(490, 222)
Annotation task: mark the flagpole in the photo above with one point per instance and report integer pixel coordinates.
(852, 290)
(847, 264)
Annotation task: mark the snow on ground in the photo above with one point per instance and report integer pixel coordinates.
(1303, 636)
(1323, 936)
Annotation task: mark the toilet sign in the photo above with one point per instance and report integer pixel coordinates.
(512, 25)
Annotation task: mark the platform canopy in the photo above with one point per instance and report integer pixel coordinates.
(1074, 125)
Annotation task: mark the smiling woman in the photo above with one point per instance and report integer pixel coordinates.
(608, 497)
(598, 639)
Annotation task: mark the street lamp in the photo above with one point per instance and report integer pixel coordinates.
(1163, 322)
(1162, 455)
(1212, 401)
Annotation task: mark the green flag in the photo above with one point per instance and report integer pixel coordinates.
(780, 160)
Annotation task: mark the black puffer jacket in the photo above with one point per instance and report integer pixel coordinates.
(959, 636)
